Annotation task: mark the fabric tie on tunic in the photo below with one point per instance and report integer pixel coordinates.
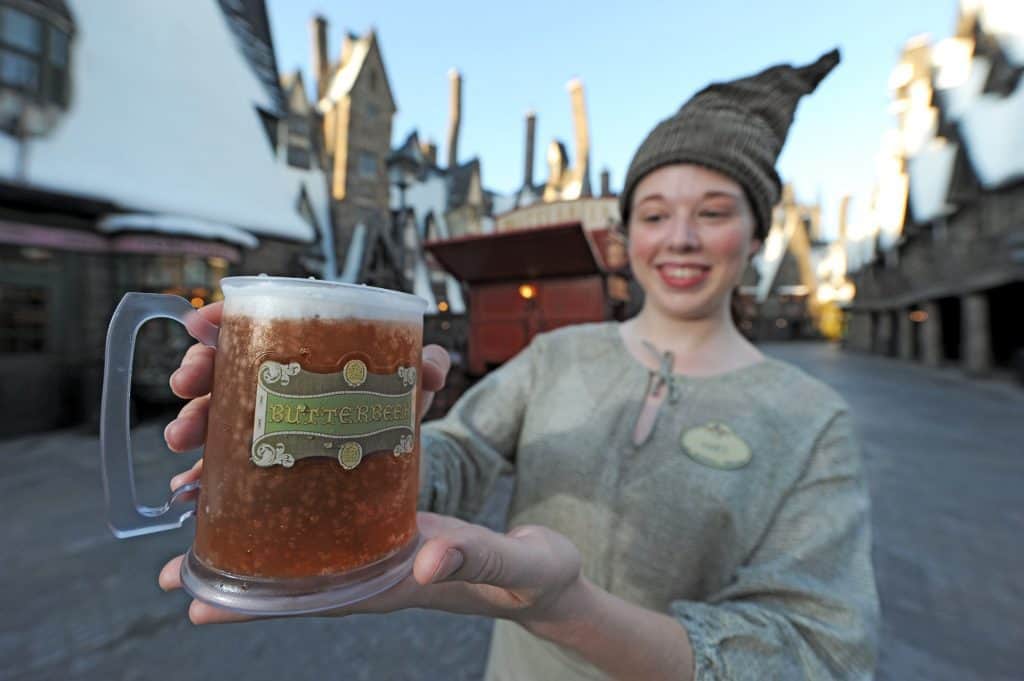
(666, 362)
(648, 414)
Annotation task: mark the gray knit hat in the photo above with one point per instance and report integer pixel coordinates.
(737, 128)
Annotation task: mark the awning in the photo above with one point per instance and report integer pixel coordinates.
(177, 225)
(81, 241)
(550, 251)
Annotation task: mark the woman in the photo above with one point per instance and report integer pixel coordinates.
(684, 507)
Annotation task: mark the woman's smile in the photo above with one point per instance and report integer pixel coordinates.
(683, 276)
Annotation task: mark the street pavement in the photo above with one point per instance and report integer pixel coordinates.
(945, 459)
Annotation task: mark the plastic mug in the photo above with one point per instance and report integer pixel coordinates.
(307, 498)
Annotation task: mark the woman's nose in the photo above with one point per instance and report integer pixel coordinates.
(683, 235)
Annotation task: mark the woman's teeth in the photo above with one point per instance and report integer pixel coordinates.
(684, 272)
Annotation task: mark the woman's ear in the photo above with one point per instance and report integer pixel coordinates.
(755, 248)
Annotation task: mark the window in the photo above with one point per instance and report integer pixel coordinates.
(298, 157)
(22, 31)
(23, 316)
(34, 57)
(367, 164)
(371, 110)
(299, 153)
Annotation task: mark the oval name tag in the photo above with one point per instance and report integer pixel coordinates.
(715, 444)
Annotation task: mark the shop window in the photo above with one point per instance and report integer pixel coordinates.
(34, 56)
(24, 311)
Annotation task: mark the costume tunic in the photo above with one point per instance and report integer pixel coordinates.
(745, 514)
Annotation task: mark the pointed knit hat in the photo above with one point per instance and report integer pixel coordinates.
(736, 128)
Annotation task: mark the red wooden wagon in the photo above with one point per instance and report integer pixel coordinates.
(531, 280)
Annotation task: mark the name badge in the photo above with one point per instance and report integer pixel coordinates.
(715, 444)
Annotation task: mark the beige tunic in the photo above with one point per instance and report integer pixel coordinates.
(745, 515)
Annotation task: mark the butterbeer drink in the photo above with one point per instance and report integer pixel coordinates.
(311, 465)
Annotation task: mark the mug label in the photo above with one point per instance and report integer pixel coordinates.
(341, 415)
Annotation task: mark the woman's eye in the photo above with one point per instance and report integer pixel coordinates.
(654, 217)
(715, 214)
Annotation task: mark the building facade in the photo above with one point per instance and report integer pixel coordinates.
(124, 167)
(941, 272)
(356, 106)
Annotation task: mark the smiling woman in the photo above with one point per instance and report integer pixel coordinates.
(690, 238)
(684, 507)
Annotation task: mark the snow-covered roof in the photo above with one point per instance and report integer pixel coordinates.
(931, 171)
(176, 224)
(163, 119)
(776, 244)
(345, 78)
(957, 99)
(426, 198)
(503, 204)
(354, 255)
(456, 305)
(993, 131)
(421, 285)
(250, 25)
(1004, 19)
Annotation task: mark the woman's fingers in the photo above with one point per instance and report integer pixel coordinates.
(435, 369)
(185, 477)
(202, 613)
(436, 364)
(195, 375)
(170, 574)
(188, 431)
(212, 312)
(530, 558)
(198, 612)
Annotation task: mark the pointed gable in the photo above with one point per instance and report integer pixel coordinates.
(361, 58)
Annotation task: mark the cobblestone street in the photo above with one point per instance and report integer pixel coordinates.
(946, 465)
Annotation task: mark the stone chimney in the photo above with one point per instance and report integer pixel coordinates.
(429, 150)
(606, 183)
(579, 120)
(531, 131)
(455, 107)
(844, 217)
(348, 43)
(318, 31)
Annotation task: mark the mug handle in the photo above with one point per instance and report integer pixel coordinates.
(125, 515)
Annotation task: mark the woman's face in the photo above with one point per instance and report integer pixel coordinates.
(690, 238)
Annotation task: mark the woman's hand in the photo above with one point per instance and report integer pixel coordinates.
(530, 575)
(193, 381)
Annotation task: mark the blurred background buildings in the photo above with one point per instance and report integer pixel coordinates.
(124, 167)
(940, 261)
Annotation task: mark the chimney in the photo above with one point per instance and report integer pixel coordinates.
(606, 182)
(531, 130)
(455, 106)
(318, 29)
(844, 217)
(348, 43)
(429, 150)
(579, 120)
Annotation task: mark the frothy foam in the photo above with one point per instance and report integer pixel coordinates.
(297, 299)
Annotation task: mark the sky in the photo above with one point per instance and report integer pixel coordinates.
(639, 61)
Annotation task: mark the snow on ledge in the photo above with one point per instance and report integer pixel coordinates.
(931, 171)
(958, 99)
(176, 225)
(994, 136)
(1005, 20)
